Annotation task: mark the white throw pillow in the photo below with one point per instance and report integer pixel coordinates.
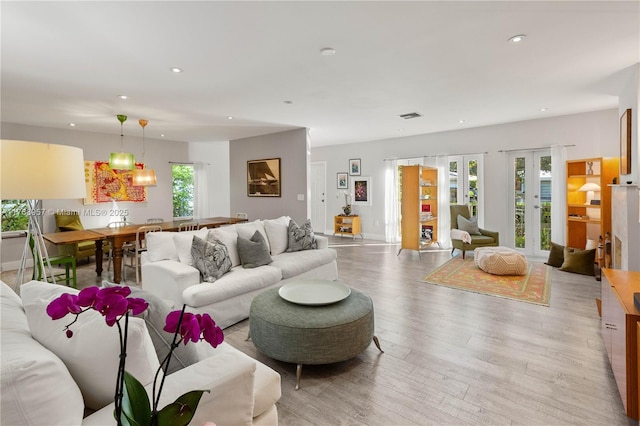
(183, 241)
(246, 230)
(228, 237)
(276, 230)
(160, 246)
(92, 354)
(34, 383)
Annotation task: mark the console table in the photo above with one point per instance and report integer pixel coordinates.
(620, 319)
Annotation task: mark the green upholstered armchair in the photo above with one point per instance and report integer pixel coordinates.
(485, 239)
(70, 221)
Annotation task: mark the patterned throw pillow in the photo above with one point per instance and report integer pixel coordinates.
(253, 252)
(301, 237)
(210, 258)
(468, 225)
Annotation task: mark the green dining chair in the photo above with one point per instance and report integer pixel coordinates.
(66, 260)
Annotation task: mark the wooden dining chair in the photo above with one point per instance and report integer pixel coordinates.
(139, 247)
(188, 226)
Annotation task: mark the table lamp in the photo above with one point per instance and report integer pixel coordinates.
(590, 188)
(36, 171)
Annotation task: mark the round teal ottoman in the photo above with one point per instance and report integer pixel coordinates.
(303, 334)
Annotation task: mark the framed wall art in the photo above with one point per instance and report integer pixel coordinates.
(361, 192)
(343, 180)
(263, 178)
(354, 167)
(625, 142)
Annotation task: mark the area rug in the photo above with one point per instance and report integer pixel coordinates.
(465, 275)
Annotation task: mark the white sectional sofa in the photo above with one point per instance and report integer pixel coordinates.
(49, 379)
(168, 271)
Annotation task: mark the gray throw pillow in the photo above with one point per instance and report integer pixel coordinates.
(301, 237)
(211, 258)
(253, 252)
(155, 318)
(468, 225)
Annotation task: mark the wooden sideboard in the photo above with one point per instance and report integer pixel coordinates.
(620, 319)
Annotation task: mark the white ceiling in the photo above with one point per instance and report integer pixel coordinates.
(65, 62)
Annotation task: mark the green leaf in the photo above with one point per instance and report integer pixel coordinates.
(135, 402)
(180, 412)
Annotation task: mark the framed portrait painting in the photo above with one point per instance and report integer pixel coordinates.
(625, 143)
(361, 191)
(263, 178)
(343, 180)
(354, 167)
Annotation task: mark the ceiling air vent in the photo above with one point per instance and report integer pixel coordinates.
(410, 115)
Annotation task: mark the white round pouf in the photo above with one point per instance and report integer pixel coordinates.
(500, 261)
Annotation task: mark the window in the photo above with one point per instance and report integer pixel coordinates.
(183, 190)
(15, 215)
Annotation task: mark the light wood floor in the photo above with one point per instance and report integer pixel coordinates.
(451, 357)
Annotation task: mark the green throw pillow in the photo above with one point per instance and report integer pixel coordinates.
(579, 261)
(556, 255)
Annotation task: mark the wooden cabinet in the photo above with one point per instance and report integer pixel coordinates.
(587, 220)
(619, 332)
(347, 225)
(419, 223)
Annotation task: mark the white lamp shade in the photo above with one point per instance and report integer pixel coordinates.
(144, 177)
(41, 171)
(590, 186)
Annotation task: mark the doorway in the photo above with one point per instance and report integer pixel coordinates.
(530, 202)
(319, 196)
(466, 183)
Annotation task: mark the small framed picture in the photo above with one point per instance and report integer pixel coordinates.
(354, 167)
(625, 142)
(361, 191)
(343, 180)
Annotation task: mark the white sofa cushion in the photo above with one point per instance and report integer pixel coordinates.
(92, 354)
(276, 230)
(32, 379)
(238, 281)
(160, 246)
(183, 241)
(295, 263)
(229, 237)
(246, 230)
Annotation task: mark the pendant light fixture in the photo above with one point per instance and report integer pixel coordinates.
(144, 177)
(121, 160)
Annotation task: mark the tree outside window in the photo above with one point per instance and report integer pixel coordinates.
(15, 215)
(183, 190)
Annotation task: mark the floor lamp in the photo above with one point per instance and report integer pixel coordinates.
(35, 171)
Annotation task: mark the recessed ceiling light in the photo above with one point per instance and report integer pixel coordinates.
(123, 96)
(288, 102)
(72, 124)
(460, 121)
(327, 51)
(229, 118)
(517, 38)
(176, 69)
(543, 109)
(162, 135)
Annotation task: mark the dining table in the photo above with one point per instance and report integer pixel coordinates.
(120, 235)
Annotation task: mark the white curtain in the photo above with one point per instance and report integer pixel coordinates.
(200, 194)
(391, 215)
(558, 193)
(441, 162)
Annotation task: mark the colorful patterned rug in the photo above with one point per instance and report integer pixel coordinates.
(465, 275)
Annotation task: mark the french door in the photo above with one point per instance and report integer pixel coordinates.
(465, 183)
(530, 201)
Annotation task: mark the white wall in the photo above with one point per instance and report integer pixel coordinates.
(594, 134)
